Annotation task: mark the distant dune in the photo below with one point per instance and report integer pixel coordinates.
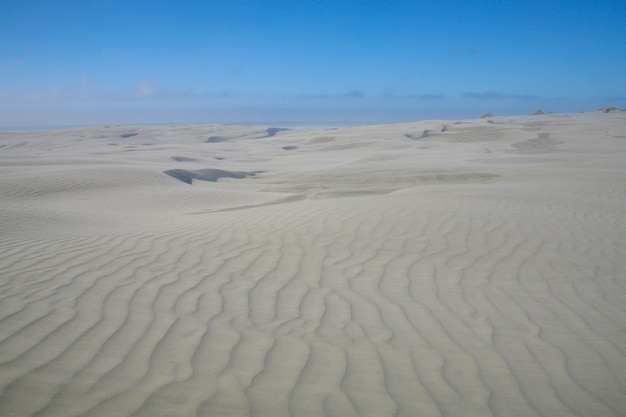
(611, 110)
(436, 268)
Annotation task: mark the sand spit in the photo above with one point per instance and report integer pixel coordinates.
(477, 271)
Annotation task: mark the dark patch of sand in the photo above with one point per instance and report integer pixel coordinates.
(208, 174)
(217, 139)
(272, 131)
(183, 159)
(426, 133)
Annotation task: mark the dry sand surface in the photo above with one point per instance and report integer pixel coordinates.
(439, 268)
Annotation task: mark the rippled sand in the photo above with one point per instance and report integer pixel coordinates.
(455, 268)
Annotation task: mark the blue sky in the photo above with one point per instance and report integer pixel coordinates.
(340, 61)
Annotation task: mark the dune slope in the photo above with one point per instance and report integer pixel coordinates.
(477, 269)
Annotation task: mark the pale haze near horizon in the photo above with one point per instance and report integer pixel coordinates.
(341, 62)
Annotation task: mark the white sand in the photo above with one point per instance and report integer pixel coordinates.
(450, 268)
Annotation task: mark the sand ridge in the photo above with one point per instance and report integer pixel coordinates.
(371, 271)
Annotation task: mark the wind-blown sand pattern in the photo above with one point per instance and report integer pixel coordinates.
(474, 270)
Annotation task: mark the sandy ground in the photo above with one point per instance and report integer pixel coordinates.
(440, 268)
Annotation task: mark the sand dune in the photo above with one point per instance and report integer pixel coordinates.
(440, 268)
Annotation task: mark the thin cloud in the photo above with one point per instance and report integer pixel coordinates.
(53, 92)
(314, 96)
(11, 63)
(391, 94)
(85, 89)
(427, 96)
(613, 98)
(354, 94)
(498, 95)
(145, 89)
(462, 53)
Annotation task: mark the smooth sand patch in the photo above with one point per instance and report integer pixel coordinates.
(476, 270)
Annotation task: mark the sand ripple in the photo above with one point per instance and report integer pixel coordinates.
(447, 299)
